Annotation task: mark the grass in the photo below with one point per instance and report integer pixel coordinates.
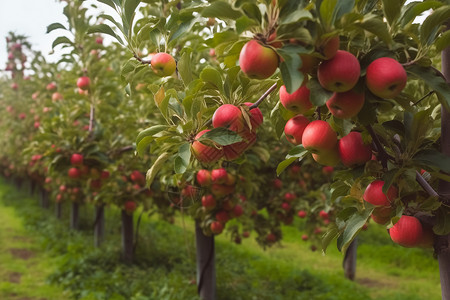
(166, 262)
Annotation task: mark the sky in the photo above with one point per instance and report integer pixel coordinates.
(31, 18)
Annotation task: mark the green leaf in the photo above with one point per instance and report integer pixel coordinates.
(433, 158)
(332, 10)
(442, 226)
(392, 9)
(434, 80)
(55, 26)
(443, 41)
(244, 23)
(298, 152)
(297, 16)
(252, 11)
(221, 10)
(290, 73)
(182, 29)
(353, 226)
(212, 76)
(412, 10)
(61, 40)
(112, 20)
(221, 136)
(284, 164)
(146, 137)
(318, 95)
(374, 24)
(331, 234)
(182, 160)
(103, 28)
(130, 8)
(156, 167)
(109, 3)
(432, 24)
(185, 68)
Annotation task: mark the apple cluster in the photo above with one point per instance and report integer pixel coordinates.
(233, 118)
(218, 203)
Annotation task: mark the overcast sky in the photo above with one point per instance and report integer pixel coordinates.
(31, 18)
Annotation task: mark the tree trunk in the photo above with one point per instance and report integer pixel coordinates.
(127, 236)
(58, 210)
(99, 229)
(349, 263)
(206, 268)
(442, 243)
(44, 198)
(74, 216)
(32, 187)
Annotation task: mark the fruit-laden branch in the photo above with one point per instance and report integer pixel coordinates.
(264, 96)
(145, 62)
(384, 156)
(121, 150)
(424, 97)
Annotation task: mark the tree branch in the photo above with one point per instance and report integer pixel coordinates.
(145, 62)
(384, 156)
(264, 96)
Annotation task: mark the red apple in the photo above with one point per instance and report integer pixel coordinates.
(258, 61)
(51, 87)
(221, 190)
(407, 232)
(277, 183)
(318, 137)
(208, 201)
(386, 77)
(83, 83)
(137, 177)
(353, 151)
(289, 197)
(77, 159)
(324, 215)
(204, 177)
(298, 101)
(130, 206)
(189, 191)
(339, 74)
(304, 237)
(382, 215)
(286, 206)
(219, 176)
(216, 227)
(163, 64)
(345, 105)
(327, 157)
(222, 216)
(99, 40)
(204, 153)
(309, 63)
(104, 175)
(271, 238)
(228, 116)
(301, 214)
(57, 96)
(234, 151)
(374, 194)
(294, 128)
(256, 116)
(329, 46)
(327, 170)
(14, 86)
(237, 211)
(74, 173)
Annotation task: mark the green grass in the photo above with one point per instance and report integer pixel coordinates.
(165, 264)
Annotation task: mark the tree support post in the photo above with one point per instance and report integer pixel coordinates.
(58, 210)
(442, 243)
(127, 236)
(349, 263)
(206, 266)
(44, 198)
(99, 228)
(74, 216)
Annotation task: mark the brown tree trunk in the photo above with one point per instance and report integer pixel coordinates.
(99, 228)
(442, 242)
(44, 198)
(127, 237)
(349, 263)
(58, 210)
(206, 269)
(74, 216)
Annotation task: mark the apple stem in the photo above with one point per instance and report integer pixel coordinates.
(264, 96)
(318, 113)
(145, 62)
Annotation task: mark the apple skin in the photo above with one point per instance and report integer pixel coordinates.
(204, 177)
(74, 173)
(329, 47)
(57, 96)
(346, 105)
(137, 177)
(382, 215)
(298, 101)
(237, 211)
(76, 159)
(216, 227)
(309, 63)
(353, 151)
(258, 61)
(234, 151)
(318, 137)
(222, 216)
(328, 158)
(163, 64)
(51, 86)
(221, 190)
(228, 116)
(208, 201)
(339, 74)
(324, 215)
(271, 238)
(374, 194)
(386, 77)
(83, 83)
(203, 153)
(301, 214)
(256, 117)
(219, 176)
(407, 232)
(294, 128)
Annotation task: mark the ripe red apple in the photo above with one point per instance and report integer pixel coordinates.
(294, 128)
(96, 184)
(386, 77)
(99, 40)
(382, 215)
(407, 232)
(271, 238)
(77, 159)
(204, 177)
(234, 151)
(14, 86)
(277, 183)
(309, 63)
(216, 227)
(228, 116)
(74, 173)
(104, 174)
(51, 86)
(163, 64)
(317, 230)
(353, 151)
(130, 206)
(57, 96)
(327, 170)
(346, 105)
(237, 211)
(189, 191)
(329, 46)
(137, 177)
(221, 190)
(327, 157)
(298, 101)
(305, 237)
(374, 194)
(324, 215)
(219, 176)
(83, 83)
(222, 216)
(208, 201)
(339, 74)
(204, 153)
(301, 214)
(286, 206)
(256, 116)
(245, 234)
(319, 137)
(289, 197)
(258, 61)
